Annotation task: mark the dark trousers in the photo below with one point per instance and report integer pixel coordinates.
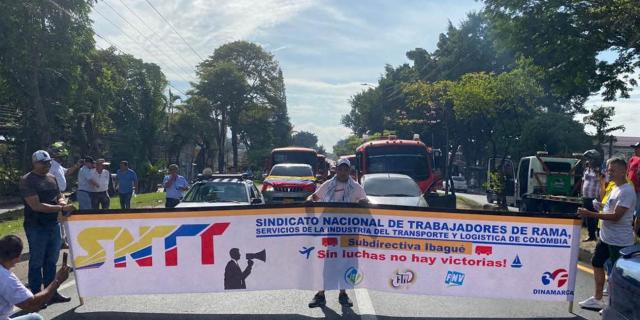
(100, 200)
(171, 203)
(125, 200)
(592, 223)
(44, 250)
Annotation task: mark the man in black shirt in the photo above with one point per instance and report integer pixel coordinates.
(43, 202)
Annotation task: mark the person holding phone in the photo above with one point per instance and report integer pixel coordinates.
(13, 292)
(43, 204)
(174, 185)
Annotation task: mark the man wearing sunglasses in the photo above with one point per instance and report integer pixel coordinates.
(43, 202)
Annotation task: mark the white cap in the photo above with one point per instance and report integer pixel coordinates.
(40, 155)
(344, 161)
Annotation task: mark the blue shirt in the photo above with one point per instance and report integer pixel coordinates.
(126, 180)
(174, 192)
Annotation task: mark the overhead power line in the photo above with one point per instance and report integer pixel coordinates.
(170, 59)
(137, 43)
(174, 30)
(153, 32)
(111, 43)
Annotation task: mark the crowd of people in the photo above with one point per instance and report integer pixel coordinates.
(609, 209)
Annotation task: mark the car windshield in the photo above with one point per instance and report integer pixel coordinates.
(292, 171)
(217, 192)
(391, 187)
(304, 157)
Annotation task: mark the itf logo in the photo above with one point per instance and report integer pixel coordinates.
(558, 277)
(353, 276)
(454, 278)
(402, 279)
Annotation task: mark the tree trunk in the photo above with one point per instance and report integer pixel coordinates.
(234, 145)
(41, 124)
(221, 141)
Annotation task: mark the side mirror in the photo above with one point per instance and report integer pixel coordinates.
(256, 201)
(264, 175)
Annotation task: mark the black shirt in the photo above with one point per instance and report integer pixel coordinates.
(46, 188)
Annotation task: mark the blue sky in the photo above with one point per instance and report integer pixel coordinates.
(327, 49)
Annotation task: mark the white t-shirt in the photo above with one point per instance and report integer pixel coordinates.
(12, 292)
(356, 195)
(58, 171)
(102, 179)
(84, 174)
(619, 233)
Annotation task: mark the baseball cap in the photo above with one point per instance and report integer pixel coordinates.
(637, 145)
(344, 161)
(40, 155)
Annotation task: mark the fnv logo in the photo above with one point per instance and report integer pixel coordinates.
(140, 248)
(353, 276)
(558, 277)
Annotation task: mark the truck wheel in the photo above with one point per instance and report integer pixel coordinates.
(489, 199)
(529, 205)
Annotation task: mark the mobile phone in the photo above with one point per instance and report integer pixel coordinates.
(65, 256)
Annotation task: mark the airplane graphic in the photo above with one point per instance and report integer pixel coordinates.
(306, 251)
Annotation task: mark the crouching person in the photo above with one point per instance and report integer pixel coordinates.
(13, 292)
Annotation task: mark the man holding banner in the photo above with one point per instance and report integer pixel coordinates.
(617, 227)
(340, 188)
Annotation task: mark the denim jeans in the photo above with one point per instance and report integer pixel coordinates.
(125, 200)
(100, 200)
(84, 199)
(44, 250)
(30, 316)
(171, 202)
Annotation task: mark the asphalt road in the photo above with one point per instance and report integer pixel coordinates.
(292, 304)
(479, 198)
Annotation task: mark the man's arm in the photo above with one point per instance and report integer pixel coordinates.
(36, 302)
(72, 170)
(34, 203)
(247, 270)
(618, 213)
(169, 180)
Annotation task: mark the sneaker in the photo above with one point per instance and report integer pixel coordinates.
(605, 292)
(344, 300)
(317, 301)
(592, 303)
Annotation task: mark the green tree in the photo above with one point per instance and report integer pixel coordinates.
(262, 122)
(226, 89)
(305, 139)
(42, 50)
(565, 37)
(347, 146)
(600, 118)
(556, 133)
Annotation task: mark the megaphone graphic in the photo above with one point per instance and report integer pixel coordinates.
(262, 256)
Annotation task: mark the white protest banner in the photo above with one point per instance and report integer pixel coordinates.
(396, 249)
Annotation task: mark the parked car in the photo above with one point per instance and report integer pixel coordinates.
(392, 188)
(289, 183)
(222, 190)
(460, 183)
(624, 287)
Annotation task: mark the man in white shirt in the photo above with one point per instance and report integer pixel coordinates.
(100, 181)
(61, 173)
(340, 188)
(85, 186)
(13, 292)
(616, 231)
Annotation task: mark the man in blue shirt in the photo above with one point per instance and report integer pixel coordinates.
(174, 184)
(127, 183)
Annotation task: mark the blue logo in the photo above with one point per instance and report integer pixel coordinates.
(306, 251)
(454, 278)
(353, 276)
(516, 262)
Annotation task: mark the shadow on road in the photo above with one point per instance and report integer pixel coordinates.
(347, 313)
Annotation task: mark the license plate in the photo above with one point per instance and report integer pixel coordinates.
(287, 200)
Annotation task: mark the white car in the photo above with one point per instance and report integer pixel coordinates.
(459, 183)
(393, 188)
(222, 190)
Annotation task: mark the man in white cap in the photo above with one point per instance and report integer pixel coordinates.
(340, 188)
(43, 202)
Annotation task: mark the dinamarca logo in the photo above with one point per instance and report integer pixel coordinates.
(554, 281)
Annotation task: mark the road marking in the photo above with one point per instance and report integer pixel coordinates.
(585, 268)
(365, 307)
